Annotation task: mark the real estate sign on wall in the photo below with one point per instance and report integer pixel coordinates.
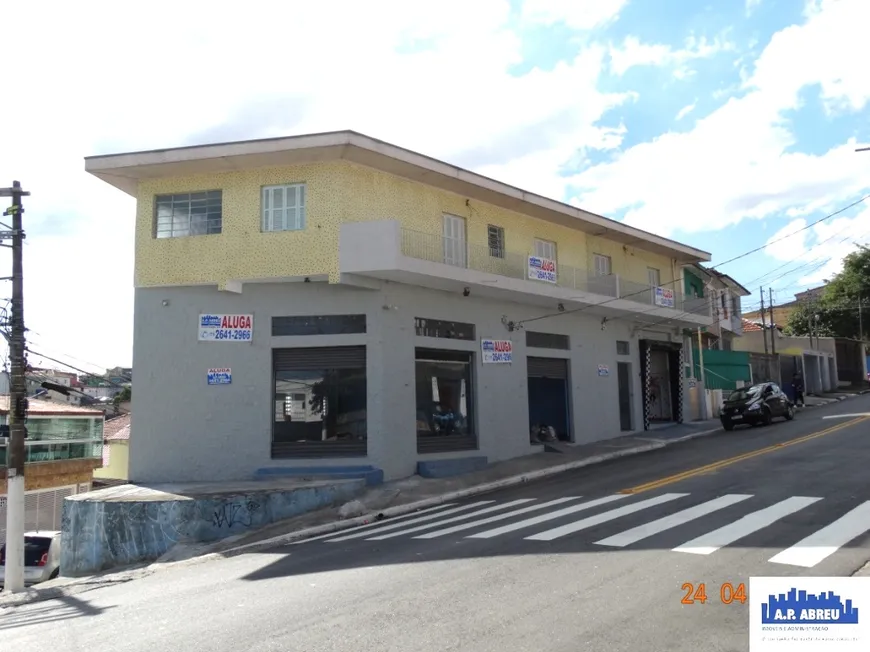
(542, 269)
(226, 328)
(496, 351)
(664, 298)
(220, 376)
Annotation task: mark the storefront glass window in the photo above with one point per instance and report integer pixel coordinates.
(320, 411)
(445, 400)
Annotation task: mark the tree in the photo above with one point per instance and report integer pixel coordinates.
(837, 308)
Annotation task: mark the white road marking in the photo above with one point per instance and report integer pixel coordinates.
(367, 526)
(592, 521)
(712, 541)
(493, 519)
(418, 528)
(846, 416)
(635, 534)
(543, 518)
(825, 542)
(394, 526)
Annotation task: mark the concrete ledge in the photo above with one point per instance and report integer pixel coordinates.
(119, 526)
(450, 467)
(372, 475)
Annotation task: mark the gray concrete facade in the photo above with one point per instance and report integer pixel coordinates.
(188, 431)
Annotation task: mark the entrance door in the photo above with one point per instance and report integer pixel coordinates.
(549, 402)
(623, 379)
(660, 386)
(454, 240)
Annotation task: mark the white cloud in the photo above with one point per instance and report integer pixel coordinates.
(816, 253)
(736, 163)
(94, 80)
(632, 53)
(751, 6)
(578, 15)
(686, 110)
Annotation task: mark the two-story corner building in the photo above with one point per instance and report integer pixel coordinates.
(332, 300)
(63, 447)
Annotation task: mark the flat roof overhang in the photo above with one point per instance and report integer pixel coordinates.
(124, 171)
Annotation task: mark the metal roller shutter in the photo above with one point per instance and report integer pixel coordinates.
(548, 368)
(446, 444)
(327, 357)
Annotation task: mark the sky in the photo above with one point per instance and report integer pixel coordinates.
(725, 124)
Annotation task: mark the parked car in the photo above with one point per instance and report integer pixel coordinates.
(756, 405)
(41, 557)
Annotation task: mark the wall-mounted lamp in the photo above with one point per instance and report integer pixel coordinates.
(603, 323)
(307, 280)
(561, 307)
(466, 292)
(165, 302)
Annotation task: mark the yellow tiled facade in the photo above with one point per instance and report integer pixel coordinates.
(338, 192)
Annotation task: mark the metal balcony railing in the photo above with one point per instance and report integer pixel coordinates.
(460, 253)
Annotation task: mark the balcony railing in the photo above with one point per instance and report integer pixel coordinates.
(47, 450)
(460, 253)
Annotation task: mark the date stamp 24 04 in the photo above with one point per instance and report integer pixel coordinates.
(728, 593)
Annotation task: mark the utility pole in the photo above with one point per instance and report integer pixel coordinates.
(772, 323)
(860, 320)
(764, 333)
(15, 455)
(703, 394)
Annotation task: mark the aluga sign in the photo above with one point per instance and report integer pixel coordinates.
(226, 328)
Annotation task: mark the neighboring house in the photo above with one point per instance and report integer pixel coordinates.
(63, 448)
(782, 312)
(116, 447)
(375, 298)
(37, 375)
(724, 368)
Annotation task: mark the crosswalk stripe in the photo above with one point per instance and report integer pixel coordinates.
(635, 534)
(592, 521)
(461, 517)
(367, 526)
(712, 541)
(429, 517)
(493, 519)
(488, 534)
(825, 542)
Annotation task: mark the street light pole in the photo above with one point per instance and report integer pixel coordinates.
(15, 451)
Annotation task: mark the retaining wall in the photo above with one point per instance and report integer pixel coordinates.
(125, 525)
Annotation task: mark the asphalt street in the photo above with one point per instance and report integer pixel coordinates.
(601, 558)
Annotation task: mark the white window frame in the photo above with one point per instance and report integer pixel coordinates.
(292, 218)
(545, 249)
(603, 265)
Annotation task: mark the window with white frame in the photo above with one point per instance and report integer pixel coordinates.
(545, 249)
(602, 264)
(283, 207)
(654, 276)
(189, 213)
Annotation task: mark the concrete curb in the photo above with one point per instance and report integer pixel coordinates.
(400, 510)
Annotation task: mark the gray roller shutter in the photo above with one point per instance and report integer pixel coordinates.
(327, 357)
(548, 368)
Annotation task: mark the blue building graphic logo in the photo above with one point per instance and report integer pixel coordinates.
(802, 608)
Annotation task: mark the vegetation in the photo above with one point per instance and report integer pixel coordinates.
(835, 313)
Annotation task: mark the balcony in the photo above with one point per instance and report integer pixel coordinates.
(385, 250)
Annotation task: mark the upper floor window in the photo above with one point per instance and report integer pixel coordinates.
(190, 213)
(654, 277)
(495, 239)
(284, 207)
(603, 265)
(545, 249)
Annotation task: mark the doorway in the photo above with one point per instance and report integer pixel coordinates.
(660, 387)
(549, 400)
(454, 241)
(623, 378)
